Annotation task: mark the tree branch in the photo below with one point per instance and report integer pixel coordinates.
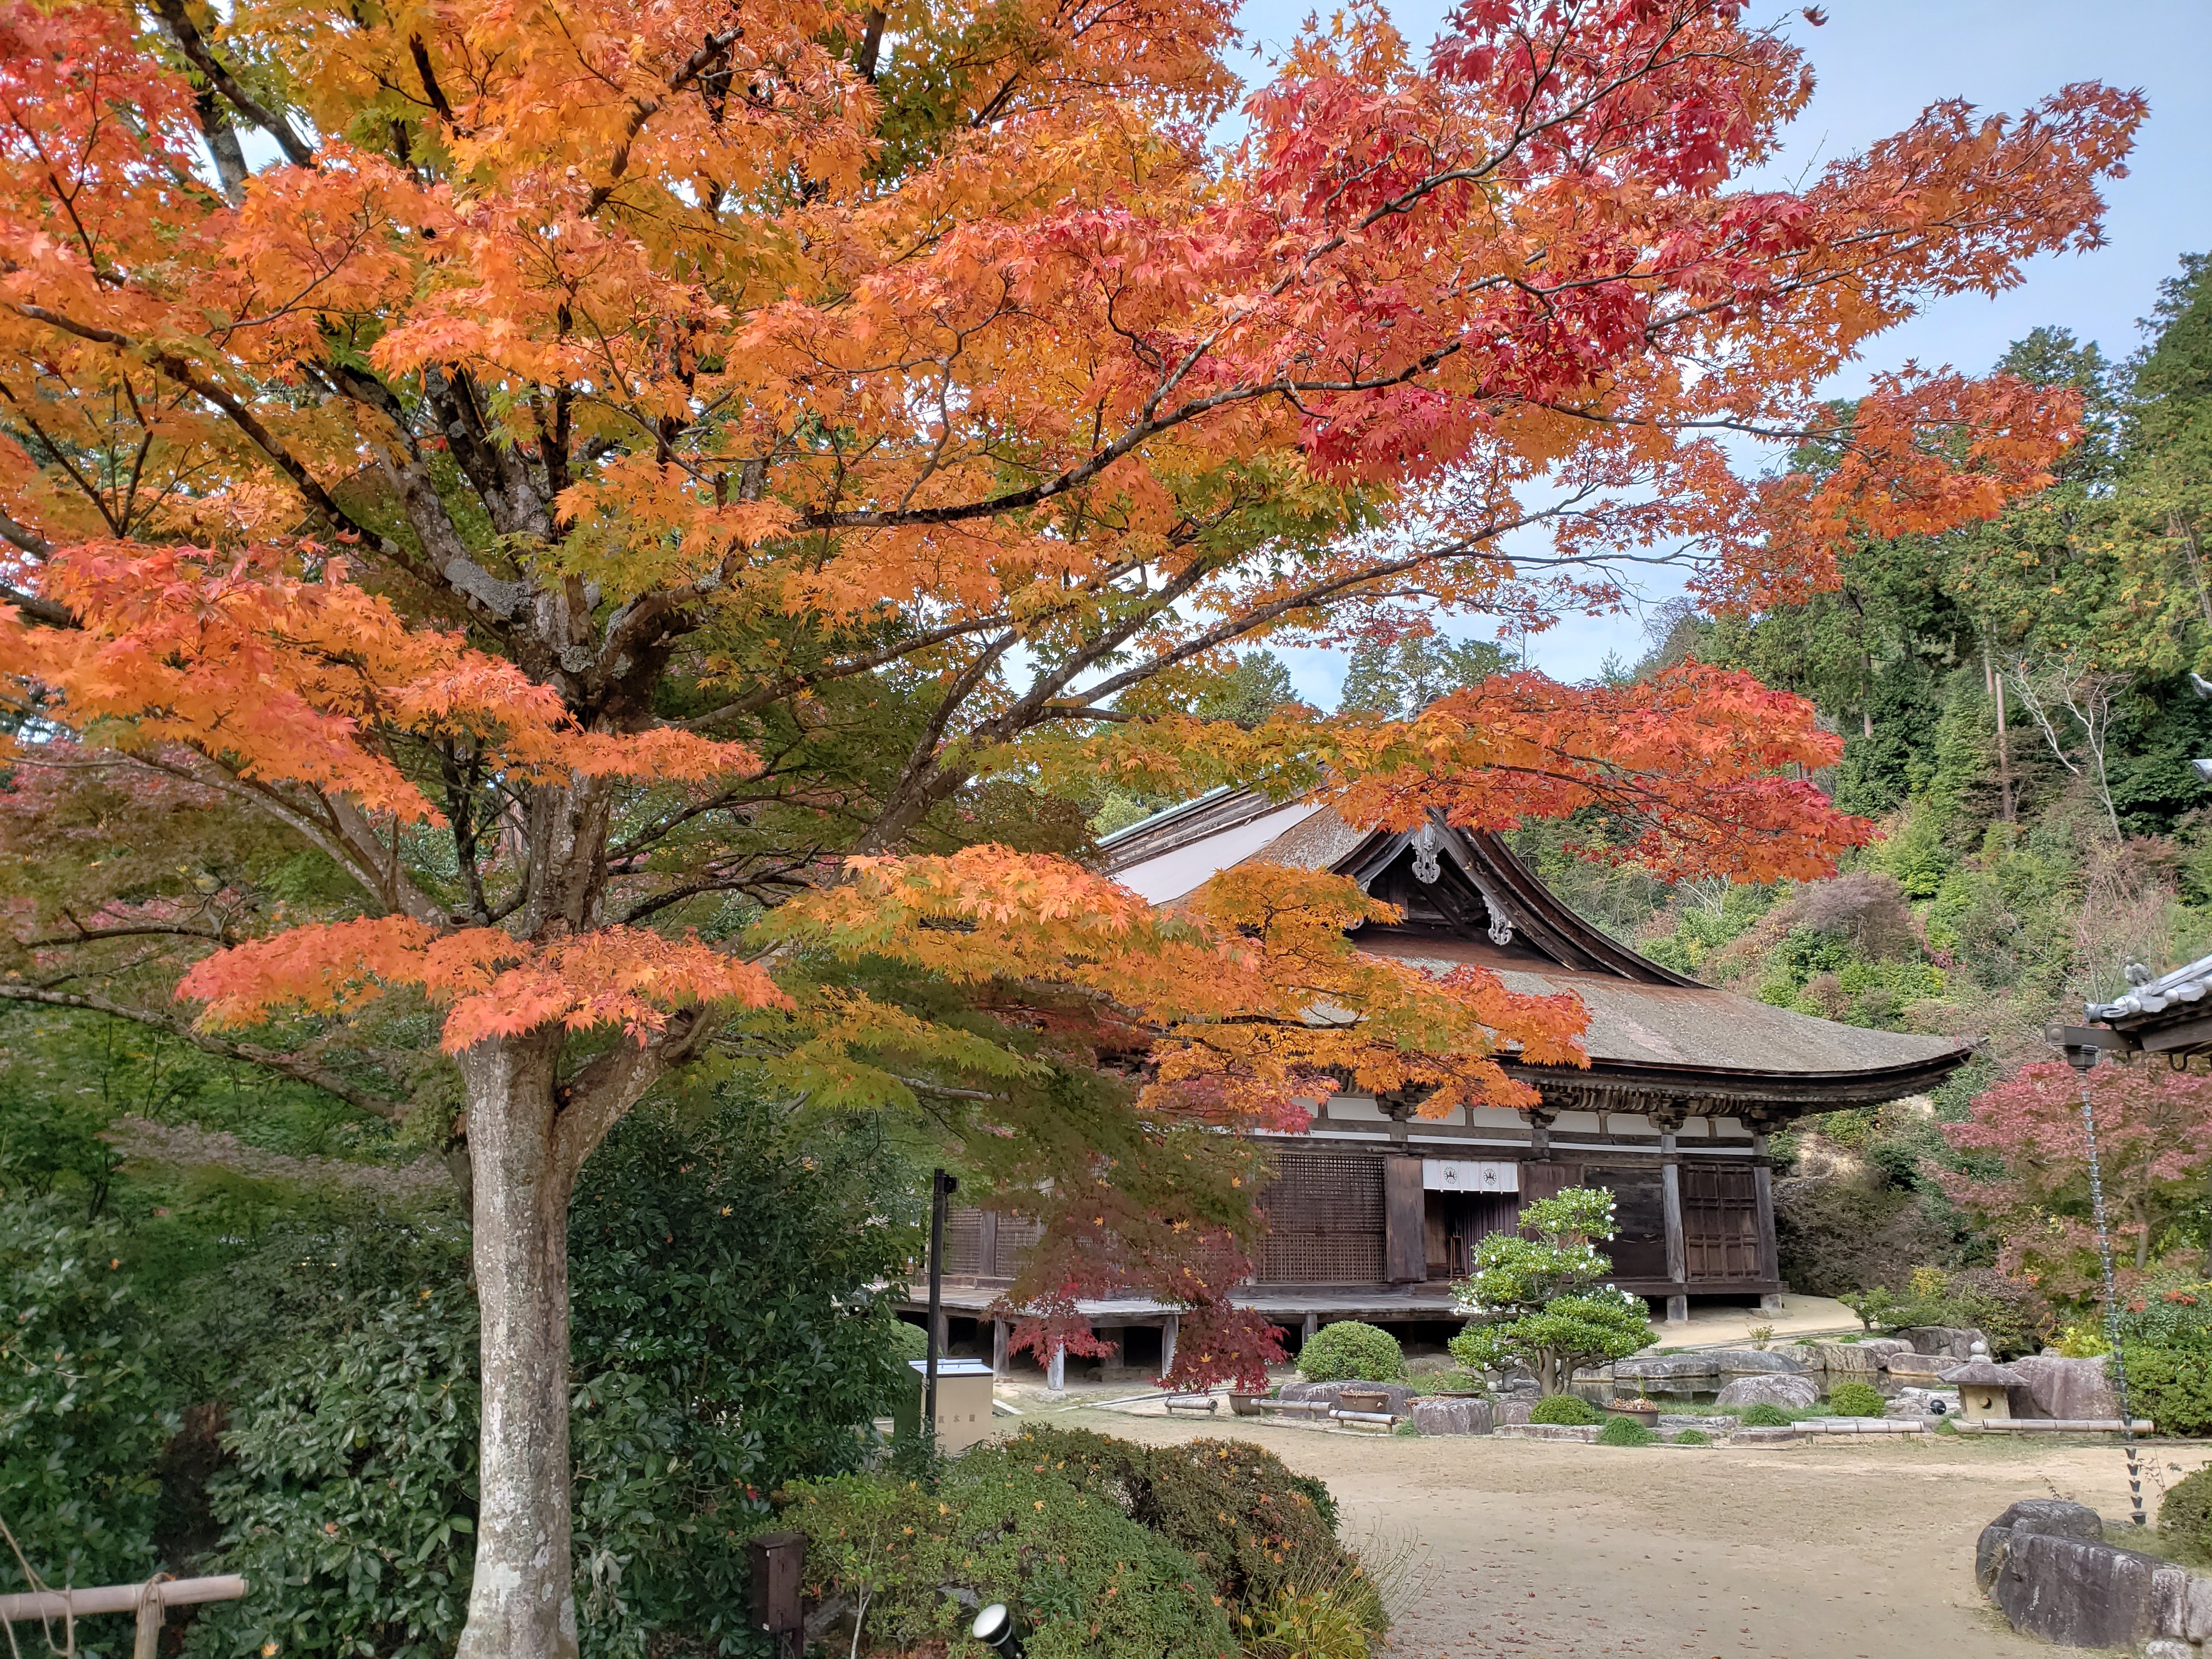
(187, 34)
(298, 1068)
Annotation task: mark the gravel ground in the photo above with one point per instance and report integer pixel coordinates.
(1529, 1549)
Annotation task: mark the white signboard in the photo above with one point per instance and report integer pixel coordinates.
(1460, 1174)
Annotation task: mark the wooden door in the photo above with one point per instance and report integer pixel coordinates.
(1405, 1248)
(1546, 1181)
(1720, 1223)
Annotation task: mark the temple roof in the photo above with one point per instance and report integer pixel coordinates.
(1468, 899)
(2171, 1014)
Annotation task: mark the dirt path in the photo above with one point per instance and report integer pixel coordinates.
(1807, 1552)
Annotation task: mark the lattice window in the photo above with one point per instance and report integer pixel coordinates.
(1324, 1220)
(1016, 1237)
(964, 1244)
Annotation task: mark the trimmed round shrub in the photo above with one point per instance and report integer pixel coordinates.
(2185, 1514)
(1764, 1416)
(1252, 1525)
(909, 1341)
(1566, 1410)
(1624, 1432)
(1349, 1351)
(1856, 1400)
(2170, 1383)
(1693, 1438)
(1090, 1580)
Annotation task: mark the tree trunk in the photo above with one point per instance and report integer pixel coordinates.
(521, 1603)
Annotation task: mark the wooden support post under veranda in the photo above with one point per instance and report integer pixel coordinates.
(150, 1600)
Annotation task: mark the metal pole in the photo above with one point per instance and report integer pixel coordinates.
(941, 1187)
(2081, 1060)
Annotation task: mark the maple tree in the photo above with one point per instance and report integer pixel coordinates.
(2153, 1144)
(650, 495)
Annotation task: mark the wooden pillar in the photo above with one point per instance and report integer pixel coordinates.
(1312, 1324)
(987, 1253)
(1762, 1188)
(1171, 1327)
(944, 1322)
(999, 1335)
(1539, 1132)
(1055, 1369)
(1678, 1256)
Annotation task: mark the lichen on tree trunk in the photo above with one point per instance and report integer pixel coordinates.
(521, 1602)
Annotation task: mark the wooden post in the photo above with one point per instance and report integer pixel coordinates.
(1171, 1327)
(1312, 1324)
(941, 1188)
(1678, 1258)
(779, 1564)
(987, 1253)
(1055, 1369)
(1762, 1188)
(146, 1640)
(999, 1347)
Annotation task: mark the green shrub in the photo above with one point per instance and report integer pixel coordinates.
(725, 1340)
(1856, 1400)
(2185, 1515)
(1693, 1438)
(351, 1504)
(2014, 1316)
(1083, 1577)
(1569, 1410)
(1624, 1432)
(1247, 1520)
(2173, 1314)
(1349, 1351)
(82, 1412)
(908, 1342)
(2083, 1342)
(1764, 1416)
(1323, 1500)
(2171, 1384)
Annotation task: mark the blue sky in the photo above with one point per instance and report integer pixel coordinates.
(1879, 63)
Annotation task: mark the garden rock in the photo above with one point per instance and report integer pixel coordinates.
(2077, 1594)
(1674, 1422)
(1883, 1346)
(1549, 1432)
(1908, 1363)
(1761, 1436)
(1923, 1403)
(1776, 1390)
(1840, 1357)
(2056, 1515)
(1957, 1340)
(2067, 1387)
(2169, 1600)
(2165, 1647)
(1400, 1394)
(1748, 1362)
(1512, 1413)
(1595, 1374)
(2197, 1612)
(1664, 1368)
(1452, 1416)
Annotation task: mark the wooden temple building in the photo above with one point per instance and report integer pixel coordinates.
(1373, 1210)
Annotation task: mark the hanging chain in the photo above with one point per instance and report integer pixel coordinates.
(2119, 1365)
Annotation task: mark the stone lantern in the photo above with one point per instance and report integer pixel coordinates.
(1984, 1389)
